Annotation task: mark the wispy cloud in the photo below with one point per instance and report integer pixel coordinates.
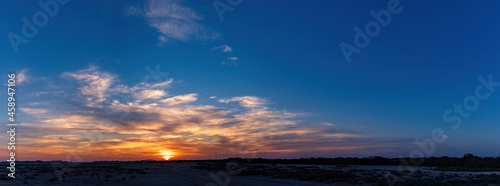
(22, 77)
(246, 101)
(223, 48)
(164, 84)
(327, 124)
(179, 123)
(176, 100)
(232, 61)
(95, 84)
(150, 94)
(34, 110)
(173, 21)
(49, 92)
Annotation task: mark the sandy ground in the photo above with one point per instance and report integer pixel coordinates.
(184, 173)
(134, 174)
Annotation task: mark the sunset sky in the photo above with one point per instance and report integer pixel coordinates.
(132, 80)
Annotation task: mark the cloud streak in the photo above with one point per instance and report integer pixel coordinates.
(22, 77)
(173, 21)
(34, 110)
(223, 48)
(129, 119)
(95, 84)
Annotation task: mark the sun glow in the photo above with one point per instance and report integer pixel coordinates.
(167, 154)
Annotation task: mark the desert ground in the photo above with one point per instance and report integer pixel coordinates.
(215, 173)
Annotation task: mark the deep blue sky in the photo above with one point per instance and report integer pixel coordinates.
(428, 58)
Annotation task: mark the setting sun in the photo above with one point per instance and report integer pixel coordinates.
(167, 154)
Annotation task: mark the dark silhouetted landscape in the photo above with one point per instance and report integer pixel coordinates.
(467, 170)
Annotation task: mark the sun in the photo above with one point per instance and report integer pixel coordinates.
(167, 154)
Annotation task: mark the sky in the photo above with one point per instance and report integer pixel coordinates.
(167, 79)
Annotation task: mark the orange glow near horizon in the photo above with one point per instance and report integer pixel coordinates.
(166, 154)
(173, 126)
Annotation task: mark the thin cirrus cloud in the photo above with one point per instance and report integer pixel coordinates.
(127, 123)
(95, 85)
(34, 110)
(22, 77)
(246, 101)
(173, 21)
(231, 61)
(150, 94)
(223, 48)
